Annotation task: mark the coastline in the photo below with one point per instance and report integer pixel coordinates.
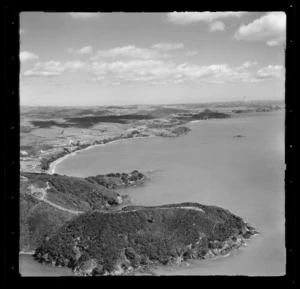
(26, 253)
(130, 144)
(53, 165)
(231, 244)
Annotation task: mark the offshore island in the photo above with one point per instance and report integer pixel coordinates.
(86, 224)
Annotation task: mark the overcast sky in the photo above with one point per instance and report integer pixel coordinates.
(151, 58)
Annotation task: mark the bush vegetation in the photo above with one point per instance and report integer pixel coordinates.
(38, 221)
(114, 180)
(206, 114)
(139, 236)
(73, 193)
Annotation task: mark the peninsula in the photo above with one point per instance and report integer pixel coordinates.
(123, 242)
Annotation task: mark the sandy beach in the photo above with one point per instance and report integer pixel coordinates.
(53, 165)
(26, 253)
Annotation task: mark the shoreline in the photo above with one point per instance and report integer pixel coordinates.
(228, 249)
(53, 165)
(26, 253)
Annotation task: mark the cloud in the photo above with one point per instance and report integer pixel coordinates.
(54, 68)
(247, 64)
(216, 26)
(183, 18)
(191, 53)
(25, 56)
(21, 31)
(168, 46)
(210, 72)
(130, 51)
(81, 51)
(84, 16)
(270, 28)
(133, 70)
(159, 71)
(218, 73)
(271, 71)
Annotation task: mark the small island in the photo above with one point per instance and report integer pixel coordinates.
(117, 180)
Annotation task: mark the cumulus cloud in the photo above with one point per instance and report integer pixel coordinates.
(216, 26)
(25, 56)
(81, 51)
(215, 73)
(54, 68)
(183, 18)
(270, 28)
(168, 46)
(247, 64)
(160, 71)
(133, 70)
(130, 51)
(191, 53)
(271, 71)
(141, 70)
(77, 15)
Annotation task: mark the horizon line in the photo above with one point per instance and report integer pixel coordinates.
(145, 104)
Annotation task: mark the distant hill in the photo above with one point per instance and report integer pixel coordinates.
(89, 121)
(205, 114)
(163, 111)
(94, 112)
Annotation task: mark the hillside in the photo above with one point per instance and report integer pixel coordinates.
(38, 221)
(70, 192)
(48, 201)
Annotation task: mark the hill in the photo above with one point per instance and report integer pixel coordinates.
(49, 201)
(69, 192)
(38, 221)
(98, 243)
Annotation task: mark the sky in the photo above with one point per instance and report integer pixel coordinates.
(83, 59)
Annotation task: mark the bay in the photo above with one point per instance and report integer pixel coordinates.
(210, 166)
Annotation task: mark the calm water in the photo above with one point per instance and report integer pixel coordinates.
(210, 166)
(29, 267)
